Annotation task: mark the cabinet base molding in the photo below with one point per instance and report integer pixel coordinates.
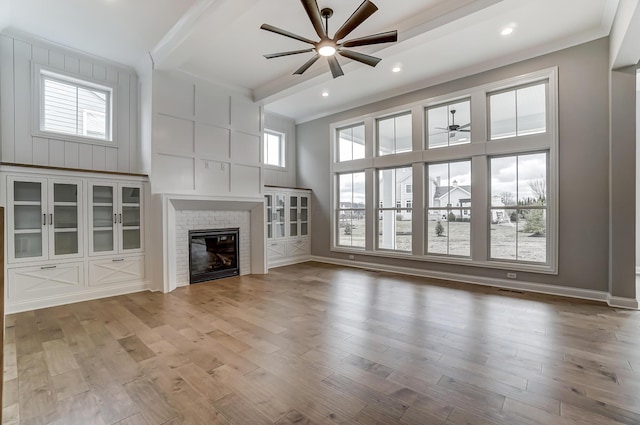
(281, 262)
(85, 295)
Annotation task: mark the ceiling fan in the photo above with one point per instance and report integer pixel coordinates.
(451, 129)
(327, 46)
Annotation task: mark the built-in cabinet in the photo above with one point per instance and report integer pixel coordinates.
(43, 219)
(71, 235)
(288, 215)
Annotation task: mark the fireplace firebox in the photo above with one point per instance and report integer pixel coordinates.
(213, 254)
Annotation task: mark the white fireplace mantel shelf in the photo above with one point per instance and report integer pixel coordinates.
(172, 202)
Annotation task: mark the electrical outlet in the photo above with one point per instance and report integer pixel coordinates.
(512, 276)
(352, 257)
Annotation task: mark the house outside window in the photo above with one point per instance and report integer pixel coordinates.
(448, 225)
(74, 107)
(274, 149)
(519, 207)
(485, 227)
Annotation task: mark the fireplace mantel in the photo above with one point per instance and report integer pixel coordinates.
(165, 246)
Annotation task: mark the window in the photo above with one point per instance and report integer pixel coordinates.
(518, 112)
(449, 125)
(506, 218)
(519, 208)
(74, 107)
(394, 224)
(351, 143)
(394, 135)
(351, 210)
(274, 148)
(449, 210)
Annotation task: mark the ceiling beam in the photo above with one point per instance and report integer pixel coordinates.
(410, 33)
(624, 48)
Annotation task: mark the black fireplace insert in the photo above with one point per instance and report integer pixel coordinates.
(213, 254)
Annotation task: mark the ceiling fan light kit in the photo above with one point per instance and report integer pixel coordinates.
(328, 47)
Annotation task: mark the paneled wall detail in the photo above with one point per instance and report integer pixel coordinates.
(206, 139)
(20, 145)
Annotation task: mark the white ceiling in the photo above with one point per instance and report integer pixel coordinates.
(220, 40)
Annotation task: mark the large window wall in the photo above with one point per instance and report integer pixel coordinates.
(467, 178)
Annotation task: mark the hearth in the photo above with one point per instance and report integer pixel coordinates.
(213, 254)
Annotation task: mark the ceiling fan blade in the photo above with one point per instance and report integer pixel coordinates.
(293, 52)
(365, 10)
(383, 37)
(336, 69)
(465, 126)
(464, 131)
(360, 57)
(311, 7)
(308, 64)
(277, 30)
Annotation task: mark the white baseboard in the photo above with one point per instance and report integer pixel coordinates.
(563, 291)
(85, 295)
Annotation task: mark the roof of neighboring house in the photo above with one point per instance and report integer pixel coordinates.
(443, 190)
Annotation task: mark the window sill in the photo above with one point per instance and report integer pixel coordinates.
(73, 138)
(274, 167)
(460, 261)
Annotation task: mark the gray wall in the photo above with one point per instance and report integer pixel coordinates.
(583, 260)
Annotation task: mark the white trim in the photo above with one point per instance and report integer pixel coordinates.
(562, 291)
(85, 295)
(288, 261)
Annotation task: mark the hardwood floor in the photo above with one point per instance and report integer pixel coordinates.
(319, 344)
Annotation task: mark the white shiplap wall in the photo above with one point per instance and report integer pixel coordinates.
(207, 139)
(20, 145)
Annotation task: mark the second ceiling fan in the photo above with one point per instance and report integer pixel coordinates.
(327, 46)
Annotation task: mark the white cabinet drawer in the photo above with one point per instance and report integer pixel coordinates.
(44, 281)
(298, 247)
(276, 250)
(115, 270)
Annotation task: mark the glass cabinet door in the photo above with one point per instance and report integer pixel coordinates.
(103, 218)
(129, 218)
(279, 214)
(64, 219)
(29, 219)
(293, 216)
(269, 213)
(304, 216)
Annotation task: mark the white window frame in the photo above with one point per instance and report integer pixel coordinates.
(479, 150)
(283, 149)
(337, 142)
(39, 72)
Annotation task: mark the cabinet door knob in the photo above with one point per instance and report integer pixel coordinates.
(50, 218)
(44, 219)
(115, 221)
(117, 260)
(47, 267)
(120, 218)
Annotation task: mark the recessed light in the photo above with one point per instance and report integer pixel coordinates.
(506, 31)
(325, 94)
(396, 69)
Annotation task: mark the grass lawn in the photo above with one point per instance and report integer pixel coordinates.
(507, 243)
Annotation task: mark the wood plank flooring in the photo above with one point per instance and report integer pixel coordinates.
(320, 344)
